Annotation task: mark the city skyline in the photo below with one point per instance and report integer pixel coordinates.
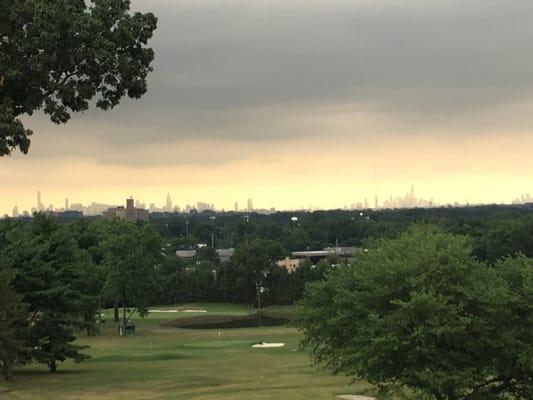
(432, 94)
(408, 199)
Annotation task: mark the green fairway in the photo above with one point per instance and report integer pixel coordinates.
(184, 364)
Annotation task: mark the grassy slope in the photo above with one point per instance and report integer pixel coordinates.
(180, 364)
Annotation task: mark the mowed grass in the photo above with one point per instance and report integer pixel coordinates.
(184, 364)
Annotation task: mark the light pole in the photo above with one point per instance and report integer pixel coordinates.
(294, 220)
(212, 218)
(260, 289)
(246, 220)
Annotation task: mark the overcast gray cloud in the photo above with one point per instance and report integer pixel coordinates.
(242, 70)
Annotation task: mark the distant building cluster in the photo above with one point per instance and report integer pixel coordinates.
(298, 257)
(94, 208)
(408, 200)
(289, 263)
(523, 199)
(129, 213)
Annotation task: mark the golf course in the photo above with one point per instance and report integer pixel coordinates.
(162, 362)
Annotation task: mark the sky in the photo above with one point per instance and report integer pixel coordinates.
(304, 103)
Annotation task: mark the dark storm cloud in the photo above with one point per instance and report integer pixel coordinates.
(238, 69)
(221, 55)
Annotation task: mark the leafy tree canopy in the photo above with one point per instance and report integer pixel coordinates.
(420, 312)
(133, 254)
(57, 55)
(251, 263)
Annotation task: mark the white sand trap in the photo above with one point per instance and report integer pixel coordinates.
(194, 310)
(354, 397)
(156, 311)
(265, 345)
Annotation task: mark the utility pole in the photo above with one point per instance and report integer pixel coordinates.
(212, 218)
(258, 295)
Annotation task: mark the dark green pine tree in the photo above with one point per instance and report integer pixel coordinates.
(12, 311)
(48, 266)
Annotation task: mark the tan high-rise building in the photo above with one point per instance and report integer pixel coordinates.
(130, 213)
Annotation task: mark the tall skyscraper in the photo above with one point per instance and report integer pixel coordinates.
(250, 205)
(236, 208)
(40, 206)
(168, 206)
(15, 212)
(66, 204)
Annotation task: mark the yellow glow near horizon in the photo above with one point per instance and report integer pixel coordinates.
(319, 172)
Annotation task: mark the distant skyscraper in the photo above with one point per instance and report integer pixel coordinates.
(40, 206)
(15, 212)
(168, 206)
(250, 205)
(236, 208)
(376, 203)
(66, 204)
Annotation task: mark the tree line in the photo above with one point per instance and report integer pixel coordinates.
(55, 277)
(496, 231)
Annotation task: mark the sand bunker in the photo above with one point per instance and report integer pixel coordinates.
(194, 310)
(354, 397)
(265, 345)
(156, 311)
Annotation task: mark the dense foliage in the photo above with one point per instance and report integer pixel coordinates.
(57, 55)
(47, 264)
(53, 278)
(132, 256)
(56, 275)
(12, 311)
(421, 312)
(496, 231)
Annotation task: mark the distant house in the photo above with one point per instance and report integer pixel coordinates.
(223, 255)
(298, 257)
(186, 254)
(130, 213)
(289, 263)
(316, 255)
